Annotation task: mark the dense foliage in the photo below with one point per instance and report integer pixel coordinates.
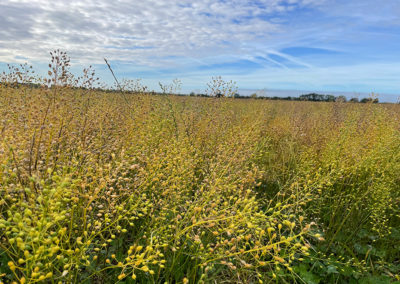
(99, 187)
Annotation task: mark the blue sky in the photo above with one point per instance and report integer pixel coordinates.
(319, 45)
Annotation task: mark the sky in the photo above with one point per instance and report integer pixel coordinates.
(350, 46)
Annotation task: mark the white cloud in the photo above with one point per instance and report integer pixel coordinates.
(139, 31)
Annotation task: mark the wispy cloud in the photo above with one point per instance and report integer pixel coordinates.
(320, 43)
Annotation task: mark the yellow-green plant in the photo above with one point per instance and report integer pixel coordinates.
(101, 187)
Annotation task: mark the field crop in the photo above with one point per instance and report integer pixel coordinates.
(107, 187)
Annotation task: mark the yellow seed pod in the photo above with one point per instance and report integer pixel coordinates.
(121, 276)
(304, 248)
(280, 259)
(11, 265)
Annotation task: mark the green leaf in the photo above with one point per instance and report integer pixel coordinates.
(307, 276)
(331, 269)
(382, 279)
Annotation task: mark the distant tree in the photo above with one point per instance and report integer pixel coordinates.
(192, 94)
(253, 96)
(369, 100)
(329, 98)
(341, 99)
(354, 100)
(312, 97)
(317, 98)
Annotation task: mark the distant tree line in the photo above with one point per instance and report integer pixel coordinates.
(313, 97)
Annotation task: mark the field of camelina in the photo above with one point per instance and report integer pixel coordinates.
(107, 187)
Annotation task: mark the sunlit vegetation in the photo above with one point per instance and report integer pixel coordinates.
(106, 187)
